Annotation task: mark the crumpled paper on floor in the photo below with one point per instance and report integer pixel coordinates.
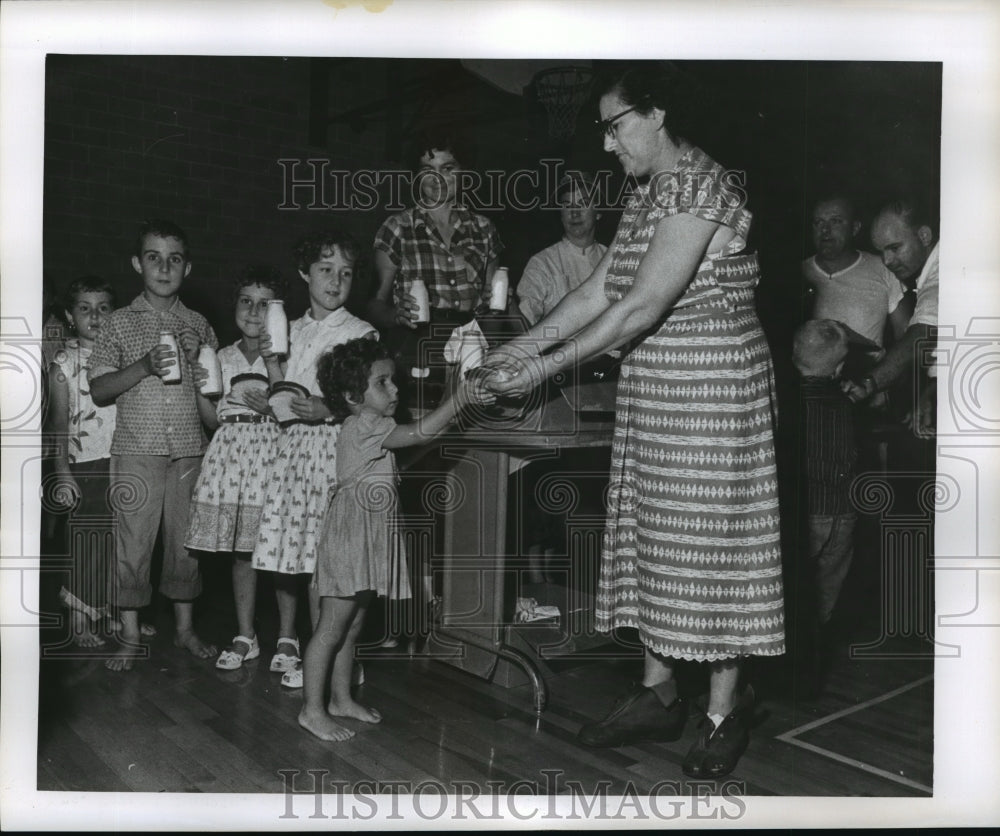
(527, 610)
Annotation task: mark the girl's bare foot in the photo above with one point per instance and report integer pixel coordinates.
(83, 633)
(123, 659)
(355, 710)
(195, 646)
(323, 726)
(127, 653)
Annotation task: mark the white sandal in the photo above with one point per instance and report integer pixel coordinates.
(231, 660)
(293, 678)
(284, 662)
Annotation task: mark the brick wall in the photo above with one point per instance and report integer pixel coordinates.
(196, 140)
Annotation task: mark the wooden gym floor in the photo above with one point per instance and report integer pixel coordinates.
(176, 724)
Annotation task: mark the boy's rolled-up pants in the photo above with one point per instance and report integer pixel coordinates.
(146, 490)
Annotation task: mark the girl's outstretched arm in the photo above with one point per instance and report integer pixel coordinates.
(431, 425)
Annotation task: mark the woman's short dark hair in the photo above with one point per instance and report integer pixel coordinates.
(265, 275)
(440, 137)
(87, 284)
(658, 84)
(344, 370)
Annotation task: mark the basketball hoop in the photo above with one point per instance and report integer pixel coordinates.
(562, 91)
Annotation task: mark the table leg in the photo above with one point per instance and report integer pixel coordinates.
(473, 563)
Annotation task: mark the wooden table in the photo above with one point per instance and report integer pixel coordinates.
(474, 632)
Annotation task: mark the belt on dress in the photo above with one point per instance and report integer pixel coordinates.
(246, 418)
(293, 422)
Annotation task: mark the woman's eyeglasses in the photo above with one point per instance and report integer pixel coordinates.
(609, 127)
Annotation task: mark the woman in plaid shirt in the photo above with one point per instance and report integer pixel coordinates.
(452, 249)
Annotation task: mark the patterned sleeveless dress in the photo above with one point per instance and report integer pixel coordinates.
(691, 554)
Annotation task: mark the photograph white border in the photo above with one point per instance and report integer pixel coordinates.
(964, 36)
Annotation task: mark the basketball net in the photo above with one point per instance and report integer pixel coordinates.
(562, 91)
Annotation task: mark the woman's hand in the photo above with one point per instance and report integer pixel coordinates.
(516, 379)
(309, 409)
(257, 401)
(406, 310)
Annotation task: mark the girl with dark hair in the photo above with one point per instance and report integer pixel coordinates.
(228, 497)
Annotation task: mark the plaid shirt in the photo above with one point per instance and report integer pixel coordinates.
(154, 418)
(454, 274)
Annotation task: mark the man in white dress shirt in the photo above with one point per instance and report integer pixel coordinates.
(904, 236)
(556, 270)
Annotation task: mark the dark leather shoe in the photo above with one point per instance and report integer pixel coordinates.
(717, 750)
(639, 715)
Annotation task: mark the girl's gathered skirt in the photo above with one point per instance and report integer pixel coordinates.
(361, 544)
(302, 479)
(229, 497)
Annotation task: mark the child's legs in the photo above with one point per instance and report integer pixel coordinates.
(244, 593)
(314, 605)
(343, 663)
(286, 594)
(336, 618)
(137, 487)
(90, 534)
(831, 546)
(181, 577)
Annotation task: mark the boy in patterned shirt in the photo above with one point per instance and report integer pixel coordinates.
(159, 439)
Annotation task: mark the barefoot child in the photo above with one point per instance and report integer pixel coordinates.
(361, 552)
(82, 434)
(229, 495)
(158, 440)
(304, 472)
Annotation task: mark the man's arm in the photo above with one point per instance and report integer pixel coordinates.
(899, 319)
(898, 360)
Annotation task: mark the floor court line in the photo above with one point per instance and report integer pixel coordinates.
(791, 736)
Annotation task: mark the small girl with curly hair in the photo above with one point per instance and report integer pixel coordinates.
(361, 553)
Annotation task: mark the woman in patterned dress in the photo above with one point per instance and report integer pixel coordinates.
(691, 553)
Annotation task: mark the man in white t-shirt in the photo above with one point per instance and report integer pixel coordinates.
(904, 236)
(849, 285)
(556, 270)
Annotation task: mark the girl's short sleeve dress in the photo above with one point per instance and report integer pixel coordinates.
(361, 545)
(691, 555)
